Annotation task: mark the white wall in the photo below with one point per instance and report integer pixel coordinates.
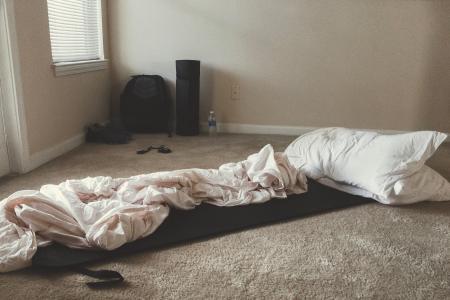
(357, 63)
(56, 108)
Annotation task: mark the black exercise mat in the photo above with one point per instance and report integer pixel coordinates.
(206, 221)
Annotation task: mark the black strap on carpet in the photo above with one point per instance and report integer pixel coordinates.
(106, 278)
(206, 221)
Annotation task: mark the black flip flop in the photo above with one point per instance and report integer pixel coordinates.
(161, 149)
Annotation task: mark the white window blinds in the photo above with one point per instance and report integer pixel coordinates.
(75, 30)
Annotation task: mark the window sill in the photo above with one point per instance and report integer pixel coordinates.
(69, 68)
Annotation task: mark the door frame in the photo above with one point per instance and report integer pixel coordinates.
(5, 167)
(13, 104)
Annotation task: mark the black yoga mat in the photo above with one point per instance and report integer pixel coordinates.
(207, 221)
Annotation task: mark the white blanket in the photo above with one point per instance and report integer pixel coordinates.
(105, 213)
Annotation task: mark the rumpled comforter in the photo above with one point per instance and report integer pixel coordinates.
(105, 213)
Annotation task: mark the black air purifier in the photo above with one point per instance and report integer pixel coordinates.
(188, 91)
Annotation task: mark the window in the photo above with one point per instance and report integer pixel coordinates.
(76, 35)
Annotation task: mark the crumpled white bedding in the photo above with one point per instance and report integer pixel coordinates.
(105, 213)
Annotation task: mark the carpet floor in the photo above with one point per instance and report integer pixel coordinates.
(370, 251)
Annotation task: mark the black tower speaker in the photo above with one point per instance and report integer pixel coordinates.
(188, 91)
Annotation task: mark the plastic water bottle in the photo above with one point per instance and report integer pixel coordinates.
(212, 126)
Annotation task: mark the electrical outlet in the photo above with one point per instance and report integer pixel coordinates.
(235, 91)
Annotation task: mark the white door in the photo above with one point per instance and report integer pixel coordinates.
(4, 162)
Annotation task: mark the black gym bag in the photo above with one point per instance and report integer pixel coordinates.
(202, 222)
(145, 105)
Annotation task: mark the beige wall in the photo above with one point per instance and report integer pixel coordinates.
(357, 63)
(56, 108)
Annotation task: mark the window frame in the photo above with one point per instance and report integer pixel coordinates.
(78, 67)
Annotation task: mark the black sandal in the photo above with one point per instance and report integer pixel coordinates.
(161, 149)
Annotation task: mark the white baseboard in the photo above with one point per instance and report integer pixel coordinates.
(258, 129)
(279, 130)
(37, 159)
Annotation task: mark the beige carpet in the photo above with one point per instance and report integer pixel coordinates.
(370, 251)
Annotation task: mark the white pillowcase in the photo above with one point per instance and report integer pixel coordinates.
(387, 168)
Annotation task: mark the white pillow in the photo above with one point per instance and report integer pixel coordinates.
(387, 168)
